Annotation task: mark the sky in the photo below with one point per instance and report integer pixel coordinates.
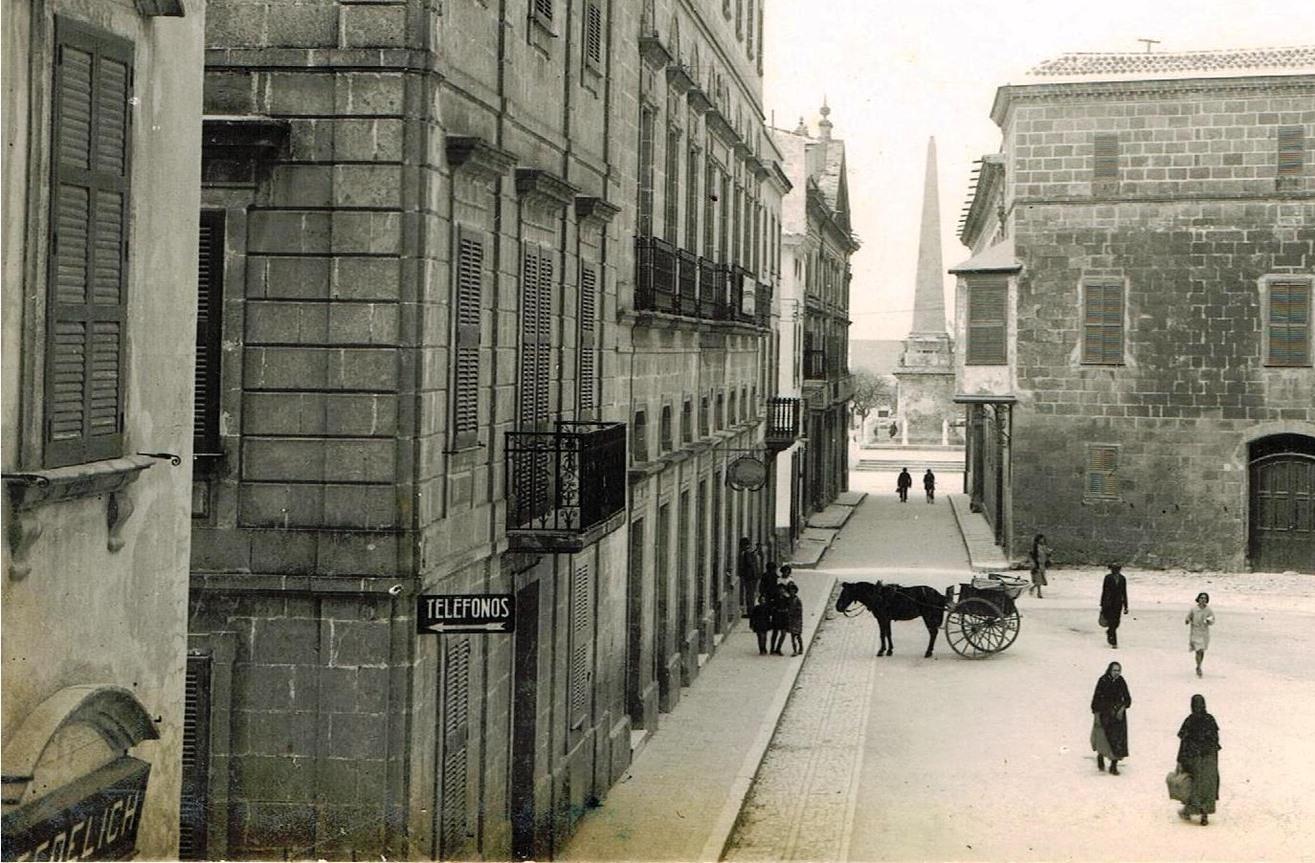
(895, 74)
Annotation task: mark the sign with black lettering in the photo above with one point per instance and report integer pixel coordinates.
(94, 817)
(491, 612)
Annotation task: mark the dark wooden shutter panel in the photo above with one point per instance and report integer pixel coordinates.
(1103, 322)
(456, 733)
(529, 334)
(582, 630)
(543, 364)
(543, 8)
(469, 300)
(593, 33)
(588, 372)
(209, 330)
(89, 242)
(1102, 471)
(1105, 162)
(987, 299)
(644, 207)
(1291, 148)
(1289, 323)
(193, 812)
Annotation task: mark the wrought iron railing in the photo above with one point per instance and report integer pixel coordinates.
(762, 305)
(783, 418)
(566, 481)
(712, 289)
(655, 275)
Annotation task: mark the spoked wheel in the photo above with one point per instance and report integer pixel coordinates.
(977, 627)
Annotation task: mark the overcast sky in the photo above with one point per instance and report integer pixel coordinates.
(896, 73)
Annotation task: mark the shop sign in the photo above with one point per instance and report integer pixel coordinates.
(92, 818)
(746, 473)
(442, 613)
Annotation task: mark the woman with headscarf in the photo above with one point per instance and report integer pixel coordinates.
(1200, 619)
(1198, 754)
(1109, 727)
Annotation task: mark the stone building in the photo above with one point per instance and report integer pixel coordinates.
(816, 243)
(1136, 313)
(101, 176)
(439, 350)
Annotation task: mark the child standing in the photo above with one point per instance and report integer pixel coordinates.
(780, 618)
(760, 619)
(1040, 556)
(795, 619)
(1200, 619)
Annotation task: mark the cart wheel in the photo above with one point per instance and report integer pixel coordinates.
(976, 628)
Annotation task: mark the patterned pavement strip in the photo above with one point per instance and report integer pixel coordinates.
(801, 805)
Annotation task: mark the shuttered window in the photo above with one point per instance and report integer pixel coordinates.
(986, 321)
(644, 217)
(665, 442)
(671, 205)
(593, 35)
(582, 635)
(687, 421)
(1102, 471)
(89, 247)
(588, 358)
(1105, 157)
(1289, 322)
(468, 301)
(454, 806)
(542, 11)
(692, 201)
(1102, 324)
(536, 334)
(209, 332)
(1291, 150)
(639, 437)
(192, 817)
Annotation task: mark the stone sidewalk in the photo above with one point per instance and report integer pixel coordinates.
(681, 796)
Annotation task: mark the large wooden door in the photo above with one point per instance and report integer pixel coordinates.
(1283, 512)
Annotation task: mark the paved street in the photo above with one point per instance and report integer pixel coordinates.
(913, 759)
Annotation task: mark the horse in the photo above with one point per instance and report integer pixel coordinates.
(889, 602)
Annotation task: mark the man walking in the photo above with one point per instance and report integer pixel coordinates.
(1113, 603)
(747, 569)
(902, 485)
(929, 485)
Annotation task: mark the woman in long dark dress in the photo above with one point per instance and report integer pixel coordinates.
(1109, 727)
(1198, 754)
(1113, 602)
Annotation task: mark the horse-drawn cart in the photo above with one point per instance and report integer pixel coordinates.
(980, 615)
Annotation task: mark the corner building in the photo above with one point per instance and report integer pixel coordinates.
(1137, 312)
(431, 361)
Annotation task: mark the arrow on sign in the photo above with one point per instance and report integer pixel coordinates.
(467, 627)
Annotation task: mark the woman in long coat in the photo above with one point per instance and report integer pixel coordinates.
(1109, 727)
(1198, 754)
(1113, 602)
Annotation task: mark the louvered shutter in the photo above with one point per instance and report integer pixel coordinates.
(986, 321)
(1291, 147)
(1289, 322)
(593, 34)
(455, 804)
(89, 200)
(196, 759)
(1105, 157)
(1103, 322)
(582, 633)
(1102, 471)
(543, 9)
(543, 364)
(469, 298)
(588, 372)
(209, 329)
(644, 207)
(529, 335)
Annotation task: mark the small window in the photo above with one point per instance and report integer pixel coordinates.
(1102, 325)
(593, 36)
(1105, 161)
(703, 416)
(986, 320)
(1102, 472)
(687, 421)
(665, 441)
(733, 410)
(719, 418)
(639, 438)
(1288, 322)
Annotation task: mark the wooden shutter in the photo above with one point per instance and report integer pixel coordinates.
(209, 331)
(192, 817)
(671, 206)
(1102, 471)
(986, 321)
(582, 634)
(1102, 340)
(593, 34)
(454, 806)
(543, 368)
(692, 201)
(1105, 161)
(536, 334)
(89, 243)
(588, 372)
(1291, 147)
(469, 299)
(543, 10)
(1289, 322)
(644, 217)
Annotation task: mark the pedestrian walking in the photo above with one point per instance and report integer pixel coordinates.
(760, 621)
(769, 579)
(1109, 726)
(1198, 755)
(1113, 603)
(795, 618)
(1200, 619)
(1040, 559)
(893, 429)
(780, 619)
(902, 485)
(747, 570)
(929, 485)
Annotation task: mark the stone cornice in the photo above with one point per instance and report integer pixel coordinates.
(589, 207)
(477, 156)
(545, 188)
(328, 59)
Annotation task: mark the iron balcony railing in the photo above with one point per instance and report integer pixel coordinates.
(762, 305)
(566, 487)
(712, 290)
(783, 421)
(655, 275)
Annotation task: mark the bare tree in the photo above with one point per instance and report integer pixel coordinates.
(870, 392)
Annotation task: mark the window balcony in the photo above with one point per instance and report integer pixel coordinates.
(687, 300)
(783, 422)
(566, 488)
(655, 275)
(712, 290)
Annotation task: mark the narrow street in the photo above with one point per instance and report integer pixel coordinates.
(906, 758)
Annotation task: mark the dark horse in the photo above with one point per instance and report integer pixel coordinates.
(889, 602)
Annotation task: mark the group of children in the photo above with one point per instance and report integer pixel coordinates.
(779, 610)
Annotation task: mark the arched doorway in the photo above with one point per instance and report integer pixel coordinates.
(1281, 475)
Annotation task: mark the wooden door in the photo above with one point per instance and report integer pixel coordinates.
(1283, 513)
